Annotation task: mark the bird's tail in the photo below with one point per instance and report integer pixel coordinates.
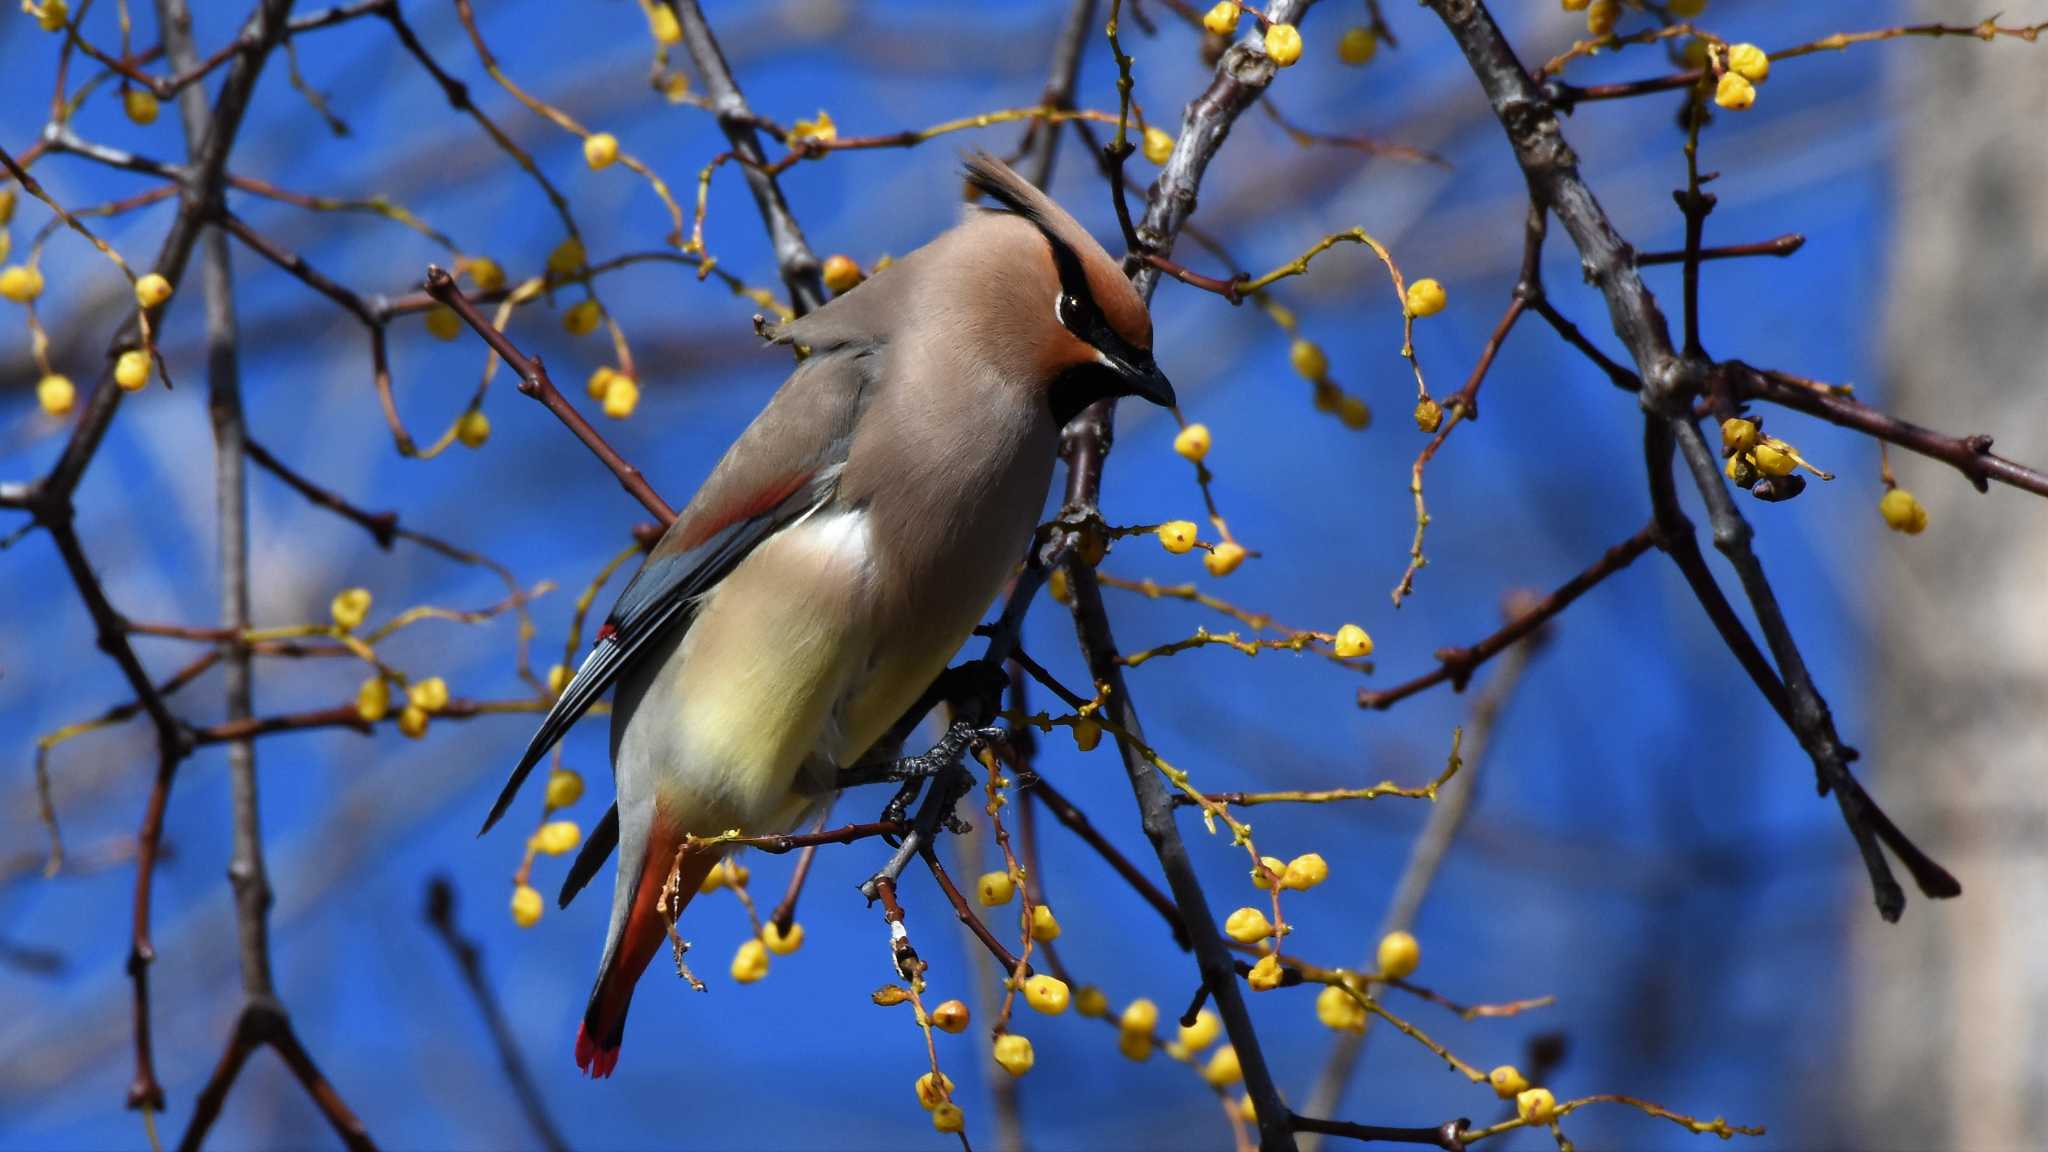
(641, 934)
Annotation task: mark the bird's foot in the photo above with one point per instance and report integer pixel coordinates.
(923, 766)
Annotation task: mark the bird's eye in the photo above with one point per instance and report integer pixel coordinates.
(1068, 310)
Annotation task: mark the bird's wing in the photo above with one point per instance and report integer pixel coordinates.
(591, 857)
(784, 466)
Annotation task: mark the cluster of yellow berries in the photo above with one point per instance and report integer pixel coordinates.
(1283, 41)
(1747, 67)
(618, 392)
(1297, 875)
(349, 608)
(1134, 1027)
(935, 1095)
(1763, 464)
(1309, 360)
(422, 700)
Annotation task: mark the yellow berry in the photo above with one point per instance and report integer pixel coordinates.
(141, 105)
(1224, 558)
(21, 283)
(1247, 926)
(1057, 587)
(1352, 642)
(131, 371)
(1305, 872)
(952, 1016)
(473, 429)
(600, 150)
(564, 788)
(1429, 415)
(1576, 5)
(1089, 1001)
(1222, 1070)
(485, 273)
(600, 381)
(1685, 9)
(430, 694)
(1246, 1110)
(1014, 1053)
(1176, 536)
(51, 16)
(841, 273)
(566, 258)
(1426, 297)
(750, 963)
(675, 87)
(1283, 43)
(1158, 145)
(1902, 512)
(349, 607)
(1774, 457)
(621, 396)
(1087, 734)
(443, 323)
(582, 319)
(373, 699)
(1357, 46)
(1046, 993)
(783, 943)
(556, 837)
(1272, 864)
(994, 889)
(1535, 1105)
(1043, 926)
(1738, 435)
(1354, 413)
(1339, 1010)
(1193, 442)
(7, 202)
(1734, 92)
(1202, 1033)
(1749, 62)
(712, 881)
(1601, 15)
(1139, 1015)
(1308, 359)
(821, 130)
(661, 20)
(1508, 1081)
(1221, 19)
(558, 678)
(948, 1118)
(1135, 1046)
(934, 1089)
(1265, 975)
(412, 721)
(152, 290)
(1399, 955)
(525, 906)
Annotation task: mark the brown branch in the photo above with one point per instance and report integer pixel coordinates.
(534, 382)
(800, 268)
(440, 915)
(1456, 665)
(965, 911)
(1784, 245)
(1970, 455)
(382, 526)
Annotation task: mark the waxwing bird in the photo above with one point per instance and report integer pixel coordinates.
(842, 550)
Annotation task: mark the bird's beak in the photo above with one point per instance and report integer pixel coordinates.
(1141, 377)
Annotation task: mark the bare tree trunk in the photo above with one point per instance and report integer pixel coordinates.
(1950, 1011)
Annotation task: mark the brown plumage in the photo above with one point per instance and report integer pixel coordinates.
(843, 548)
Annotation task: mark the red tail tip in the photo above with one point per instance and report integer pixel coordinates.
(597, 1062)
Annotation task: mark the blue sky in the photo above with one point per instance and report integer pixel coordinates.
(1646, 846)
